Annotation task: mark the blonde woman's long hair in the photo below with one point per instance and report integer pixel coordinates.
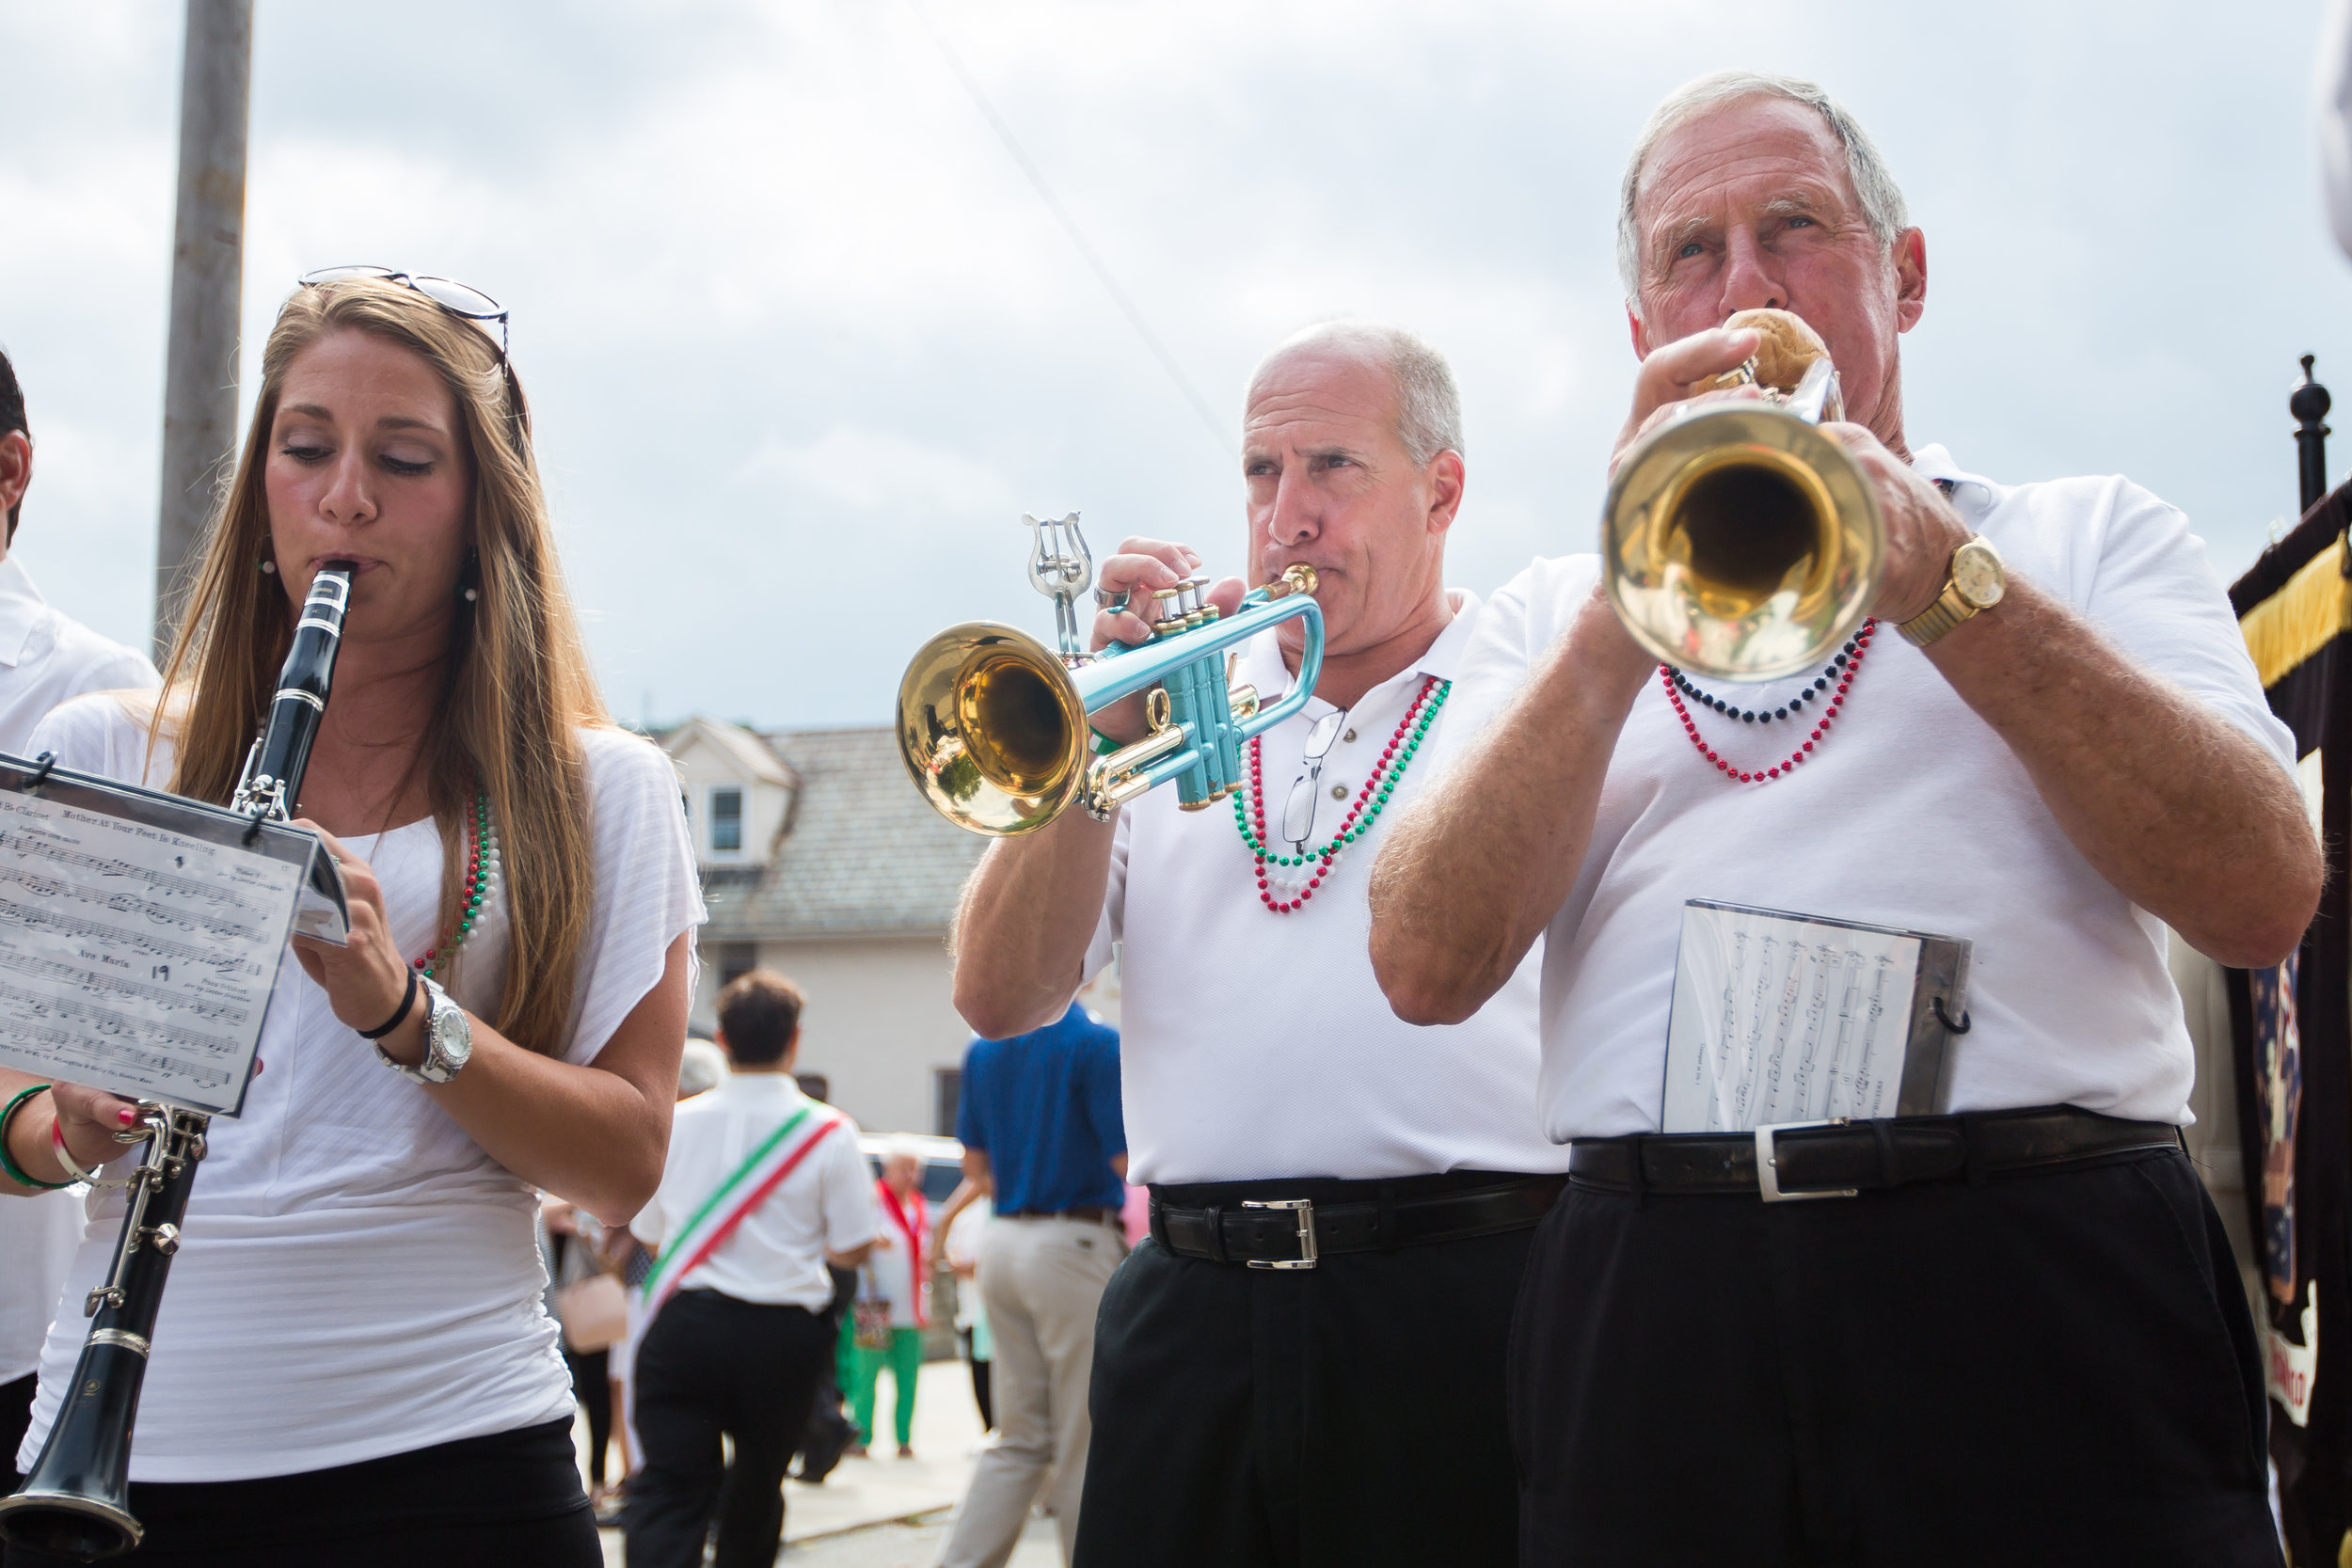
(517, 685)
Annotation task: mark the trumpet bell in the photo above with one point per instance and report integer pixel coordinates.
(1740, 543)
(992, 729)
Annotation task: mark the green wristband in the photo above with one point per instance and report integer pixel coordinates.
(1104, 745)
(7, 1114)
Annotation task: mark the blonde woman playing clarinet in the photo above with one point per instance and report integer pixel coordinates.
(351, 1364)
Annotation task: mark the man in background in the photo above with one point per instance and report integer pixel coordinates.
(1044, 1139)
(45, 658)
(762, 1190)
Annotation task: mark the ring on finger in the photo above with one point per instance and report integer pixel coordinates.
(1109, 599)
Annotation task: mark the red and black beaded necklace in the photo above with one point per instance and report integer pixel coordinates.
(1835, 680)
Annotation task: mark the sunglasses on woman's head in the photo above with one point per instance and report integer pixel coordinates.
(458, 299)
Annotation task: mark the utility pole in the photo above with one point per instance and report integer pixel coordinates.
(207, 284)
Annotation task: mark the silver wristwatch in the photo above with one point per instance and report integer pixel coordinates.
(447, 1038)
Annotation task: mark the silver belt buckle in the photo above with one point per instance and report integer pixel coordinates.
(1304, 1210)
(1768, 1162)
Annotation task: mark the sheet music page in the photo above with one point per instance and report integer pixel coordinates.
(1777, 1018)
(133, 958)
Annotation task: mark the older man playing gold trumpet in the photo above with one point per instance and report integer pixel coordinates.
(2009, 1328)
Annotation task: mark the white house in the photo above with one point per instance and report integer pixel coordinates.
(821, 860)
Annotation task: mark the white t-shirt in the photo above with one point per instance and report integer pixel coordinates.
(356, 1278)
(45, 658)
(1912, 812)
(1257, 1045)
(778, 1255)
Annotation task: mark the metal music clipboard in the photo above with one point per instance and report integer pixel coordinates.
(1782, 1017)
(140, 933)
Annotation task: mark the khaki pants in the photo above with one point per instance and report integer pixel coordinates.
(1041, 1279)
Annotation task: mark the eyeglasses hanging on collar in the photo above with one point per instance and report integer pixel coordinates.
(461, 300)
(1298, 811)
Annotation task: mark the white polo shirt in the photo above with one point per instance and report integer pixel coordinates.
(778, 1255)
(1912, 812)
(46, 657)
(1258, 1045)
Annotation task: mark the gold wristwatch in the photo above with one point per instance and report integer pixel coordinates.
(1976, 582)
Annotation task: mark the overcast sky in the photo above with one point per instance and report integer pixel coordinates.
(804, 343)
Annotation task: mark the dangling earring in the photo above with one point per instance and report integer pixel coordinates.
(467, 575)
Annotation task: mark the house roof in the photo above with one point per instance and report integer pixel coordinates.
(862, 852)
(739, 746)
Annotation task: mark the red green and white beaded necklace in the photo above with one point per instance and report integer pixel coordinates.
(1370, 802)
(481, 869)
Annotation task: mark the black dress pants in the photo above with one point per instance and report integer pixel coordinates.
(592, 1386)
(1348, 1415)
(830, 1431)
(2055, 1367)
(710, 1364)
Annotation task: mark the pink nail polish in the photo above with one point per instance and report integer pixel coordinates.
(127, 1116)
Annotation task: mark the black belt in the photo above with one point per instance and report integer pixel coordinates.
(1293, 1233)
(1841, 1158)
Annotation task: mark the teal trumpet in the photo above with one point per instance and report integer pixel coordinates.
(993, 725)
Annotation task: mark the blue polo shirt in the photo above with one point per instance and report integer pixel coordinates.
(1044, 1107)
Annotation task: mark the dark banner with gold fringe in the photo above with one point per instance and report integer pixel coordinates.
(2292, 1029)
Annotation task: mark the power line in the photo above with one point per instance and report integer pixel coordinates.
(1127, 306)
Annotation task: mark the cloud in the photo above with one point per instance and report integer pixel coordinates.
(881, 471)
(803, 341)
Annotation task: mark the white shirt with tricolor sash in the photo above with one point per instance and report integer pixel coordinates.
(776, 1257)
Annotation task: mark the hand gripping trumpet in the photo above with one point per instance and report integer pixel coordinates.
(993, 725)
(1738, 541)
(76, 1501)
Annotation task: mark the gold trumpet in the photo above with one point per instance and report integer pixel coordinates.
(994, 726)
(1740, 542)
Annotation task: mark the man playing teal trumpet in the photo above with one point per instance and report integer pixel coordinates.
(1304, 1361)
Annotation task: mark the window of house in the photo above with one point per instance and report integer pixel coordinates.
(737, 959)
(946, 1091)
(726, 821)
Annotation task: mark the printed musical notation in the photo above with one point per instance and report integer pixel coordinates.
(1781, 1019)
(133, 958)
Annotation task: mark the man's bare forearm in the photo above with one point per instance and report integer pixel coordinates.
(1477, 867)
(1025, 921)
(2185, 815)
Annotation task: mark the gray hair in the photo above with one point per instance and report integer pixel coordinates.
(1428, 404)
(1873, 182)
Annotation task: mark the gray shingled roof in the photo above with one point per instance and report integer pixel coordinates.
(862, 852)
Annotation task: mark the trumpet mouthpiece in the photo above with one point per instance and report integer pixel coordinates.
(1297, 577)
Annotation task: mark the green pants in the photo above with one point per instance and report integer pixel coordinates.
(905, 1360)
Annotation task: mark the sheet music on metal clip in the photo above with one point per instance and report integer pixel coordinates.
(1788, 1018)
(140, 933)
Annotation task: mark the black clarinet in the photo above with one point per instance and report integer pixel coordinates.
(75, 1503)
